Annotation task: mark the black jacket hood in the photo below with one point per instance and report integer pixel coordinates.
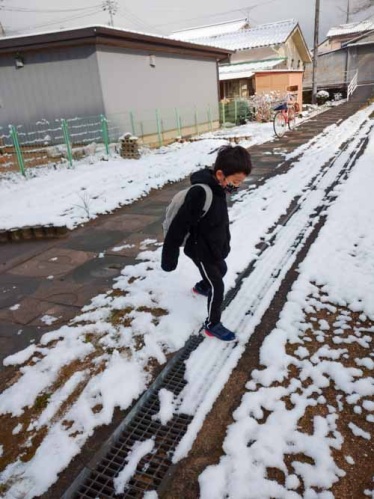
(206, 176)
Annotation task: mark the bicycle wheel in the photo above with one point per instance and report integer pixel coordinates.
(279, 124)
(291, 118)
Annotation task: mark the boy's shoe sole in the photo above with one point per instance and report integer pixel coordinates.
(210, 335)
(196, 292)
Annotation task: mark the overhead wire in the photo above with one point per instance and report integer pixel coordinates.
(210, 16)
(125, 13)
(53, 23)
(45, 11)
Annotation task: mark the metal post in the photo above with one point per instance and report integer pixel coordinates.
(196, 123)
(223, 114)
(104, 131)
(65, 131)
(132, 121)
(315, 53)
(178, 121)
(17, 147)
(160, 141)
(236, 111)
(210, 118)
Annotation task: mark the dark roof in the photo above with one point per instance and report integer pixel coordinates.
(104, 35)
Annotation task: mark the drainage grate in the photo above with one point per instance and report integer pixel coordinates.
(96, 481)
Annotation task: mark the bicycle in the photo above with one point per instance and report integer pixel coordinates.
(285, 116)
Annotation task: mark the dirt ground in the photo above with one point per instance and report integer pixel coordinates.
(207, 449)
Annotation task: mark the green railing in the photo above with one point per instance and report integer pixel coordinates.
(235, 111)
(67, 140)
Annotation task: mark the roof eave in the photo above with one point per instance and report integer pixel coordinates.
(109, 36)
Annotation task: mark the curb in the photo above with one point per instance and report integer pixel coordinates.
(37, 232)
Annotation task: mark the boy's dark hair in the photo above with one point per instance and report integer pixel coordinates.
(233, 160)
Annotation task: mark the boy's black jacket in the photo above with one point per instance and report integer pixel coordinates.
(209, 239)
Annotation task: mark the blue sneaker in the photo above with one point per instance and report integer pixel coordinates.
(200, 289)
(219, 331)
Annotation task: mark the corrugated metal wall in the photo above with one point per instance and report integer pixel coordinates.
(330, 70)
(59, 83)
(361, 58)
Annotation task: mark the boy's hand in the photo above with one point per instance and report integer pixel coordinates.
(169, 261)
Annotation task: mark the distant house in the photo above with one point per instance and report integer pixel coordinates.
(146, 84)
(347, 50)
(267, 57)
(339, 35)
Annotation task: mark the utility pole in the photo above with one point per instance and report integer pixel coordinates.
(315, 53)
(111, 6)
(347, 21)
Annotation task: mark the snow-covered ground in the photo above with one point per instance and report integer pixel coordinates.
(330, 309)
(71, 196)
(71, 382)
(99, 184)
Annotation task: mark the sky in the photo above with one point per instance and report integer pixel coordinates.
(165, 16)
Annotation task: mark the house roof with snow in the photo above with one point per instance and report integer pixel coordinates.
(211, 30)
(247, 69)
(114, 37)
(365, 39)
(264, 35)
(351, 28)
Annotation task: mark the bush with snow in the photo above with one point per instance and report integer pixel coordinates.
(322, 97)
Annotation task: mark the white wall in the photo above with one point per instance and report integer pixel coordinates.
(59, 83)
(130, 84)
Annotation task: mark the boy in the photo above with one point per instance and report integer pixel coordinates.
(208, 242)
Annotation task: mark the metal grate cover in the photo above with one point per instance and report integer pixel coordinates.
(96, 480)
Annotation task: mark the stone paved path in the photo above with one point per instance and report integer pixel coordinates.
(58, 277)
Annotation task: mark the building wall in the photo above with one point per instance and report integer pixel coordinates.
(59, 83)
(331, 69)
(172, 84)
(288, 50)
(361, 58)
(258, 54)
(267, 82)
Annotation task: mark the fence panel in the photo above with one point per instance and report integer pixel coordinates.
(57, 141)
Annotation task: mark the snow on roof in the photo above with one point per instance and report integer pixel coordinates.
(351, 28)
(211, 30)
(260, 36)
(236, 71)
(94, 27)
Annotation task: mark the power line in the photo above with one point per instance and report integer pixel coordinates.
(46, 11)
(60, 21)
(209, 16)
(130, 16)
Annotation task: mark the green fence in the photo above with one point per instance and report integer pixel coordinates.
(235, 111)
(50, 142)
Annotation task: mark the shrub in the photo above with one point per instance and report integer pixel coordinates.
(322, 97)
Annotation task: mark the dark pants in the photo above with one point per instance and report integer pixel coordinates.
(212, 280)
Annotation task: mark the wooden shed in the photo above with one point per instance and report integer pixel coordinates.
(281, 81)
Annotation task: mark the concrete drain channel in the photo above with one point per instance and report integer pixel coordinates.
(96, 479)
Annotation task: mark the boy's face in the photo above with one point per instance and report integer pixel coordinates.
(231, 181)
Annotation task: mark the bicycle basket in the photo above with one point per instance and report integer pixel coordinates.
(280, 106)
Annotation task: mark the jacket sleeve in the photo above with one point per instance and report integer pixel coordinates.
(188, 215)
